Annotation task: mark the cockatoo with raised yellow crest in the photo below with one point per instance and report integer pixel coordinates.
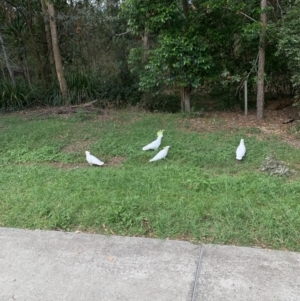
(92, 160)
(154, 145)
(160, 155)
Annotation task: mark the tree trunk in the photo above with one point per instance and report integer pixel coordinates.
(2, 70)
(34, 46)
(48, 37)
(185, 5)
(186, 91)
(56, 52)
(8, 66)
(26, 71)
(261, 63)
(185, 99)
(145, 39)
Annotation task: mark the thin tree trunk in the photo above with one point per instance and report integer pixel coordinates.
(185, 99)
(48, 37)
(2, 70)
(185, 5)
(8, 66)
(26, 70)
(34, 46)
(56, 52)
(145, 39)
(261, 63)
(186, 91)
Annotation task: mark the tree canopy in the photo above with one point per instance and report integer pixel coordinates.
(122, 52)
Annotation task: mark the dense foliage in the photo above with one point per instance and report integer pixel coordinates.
(289, 44)
(120, 52)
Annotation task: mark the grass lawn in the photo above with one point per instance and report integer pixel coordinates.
(198, 193)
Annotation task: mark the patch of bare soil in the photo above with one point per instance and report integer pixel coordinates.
(112, 161)
(44, 112)
(78, 146)
(115, 161)
(276, 122)
(82, 110)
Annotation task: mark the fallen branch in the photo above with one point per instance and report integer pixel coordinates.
(84, 105)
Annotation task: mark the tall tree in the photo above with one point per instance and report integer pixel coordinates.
(261, 62)
(186, 89)
(33, 42)
(56, 52)
(48, 36)
(181, 57)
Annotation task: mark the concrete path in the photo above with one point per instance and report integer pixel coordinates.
(42, 265)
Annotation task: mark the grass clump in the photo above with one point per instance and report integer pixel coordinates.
(198, 193)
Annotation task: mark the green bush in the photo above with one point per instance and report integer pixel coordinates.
(14, 97)
(82, 87)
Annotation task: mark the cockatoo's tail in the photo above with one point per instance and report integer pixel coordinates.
(160, 133)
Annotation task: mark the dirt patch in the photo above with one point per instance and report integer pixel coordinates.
(115, 161)
(82, 111)
(112, 162)
(78, 146)
(276, 122)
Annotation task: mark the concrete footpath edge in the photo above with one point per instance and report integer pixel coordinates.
(52, 265)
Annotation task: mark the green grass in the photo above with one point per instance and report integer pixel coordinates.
(198, 193)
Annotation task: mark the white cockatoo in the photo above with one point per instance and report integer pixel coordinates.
(156, 143)
(92, 160)
(160, 155)
(241, 150)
